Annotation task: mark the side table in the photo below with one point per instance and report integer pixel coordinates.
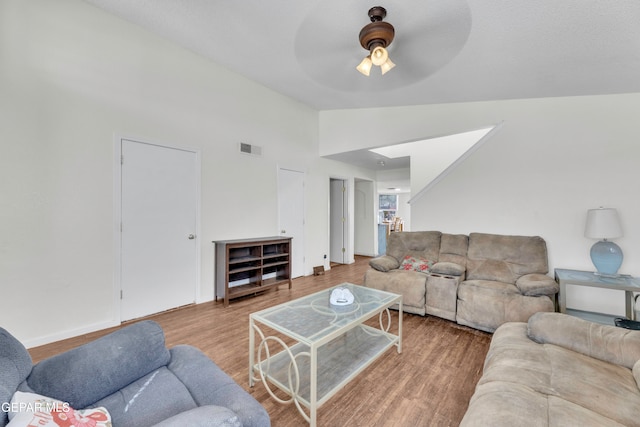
(625, 283)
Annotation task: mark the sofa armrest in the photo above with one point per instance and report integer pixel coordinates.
(536, 285)
(448, 269)
(210, 385)
(384, 263)
(608, 343)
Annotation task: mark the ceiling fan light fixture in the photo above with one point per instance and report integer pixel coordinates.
(388, 65)
(376, 37)
(365, 66)
(379, 55)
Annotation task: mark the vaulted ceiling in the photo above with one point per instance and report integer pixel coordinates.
(445, 50)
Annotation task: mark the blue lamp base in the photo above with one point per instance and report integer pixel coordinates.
(607, 257)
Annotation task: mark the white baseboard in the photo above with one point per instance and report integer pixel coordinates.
(70, 333)
(367, 254)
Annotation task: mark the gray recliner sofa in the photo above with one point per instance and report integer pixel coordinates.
(558, 370)
(135, 377)
(480, 280)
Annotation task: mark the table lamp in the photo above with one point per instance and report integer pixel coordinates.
(604, 224)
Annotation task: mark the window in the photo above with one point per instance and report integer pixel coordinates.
(388, 204)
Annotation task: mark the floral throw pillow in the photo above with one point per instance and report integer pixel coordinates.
(31, 410)
(416, 263)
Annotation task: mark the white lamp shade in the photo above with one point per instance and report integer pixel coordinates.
(387, 66)
(603, 223)
(379, 56)
(365, 66)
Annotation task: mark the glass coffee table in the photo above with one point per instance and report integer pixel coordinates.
(326, 345)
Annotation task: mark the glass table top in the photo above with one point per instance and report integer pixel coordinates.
(312, 318)
(603, 281)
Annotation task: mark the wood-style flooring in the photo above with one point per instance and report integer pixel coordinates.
(428, 384)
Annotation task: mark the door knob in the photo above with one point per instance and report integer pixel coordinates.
(191, 236)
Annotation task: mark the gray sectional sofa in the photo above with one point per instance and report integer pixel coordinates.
(480, 280)
(558, 370)
(134, 377)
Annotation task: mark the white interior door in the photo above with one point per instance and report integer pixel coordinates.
(364, 218)
(337, 221)
(159, 202)
(291, 215)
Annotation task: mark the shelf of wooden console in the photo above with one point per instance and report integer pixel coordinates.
(248, 266)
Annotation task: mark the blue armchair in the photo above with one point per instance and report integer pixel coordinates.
(136, 378)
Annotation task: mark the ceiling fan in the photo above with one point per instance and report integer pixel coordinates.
(375, 37)
(328, 50)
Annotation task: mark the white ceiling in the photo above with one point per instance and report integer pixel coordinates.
(445, 50)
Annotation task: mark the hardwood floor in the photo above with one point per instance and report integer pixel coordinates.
(428, 384)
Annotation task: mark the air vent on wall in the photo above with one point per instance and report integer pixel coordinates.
(253, 150)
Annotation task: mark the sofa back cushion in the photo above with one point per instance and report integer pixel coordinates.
(418, 244)
(453, 248)
(88, 373)
(604, 342)
(505, 258)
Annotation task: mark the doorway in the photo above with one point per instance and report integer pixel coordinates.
(338, 221)
(159, 202)
(364, 218)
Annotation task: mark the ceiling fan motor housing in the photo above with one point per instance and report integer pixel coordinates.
(377, 33)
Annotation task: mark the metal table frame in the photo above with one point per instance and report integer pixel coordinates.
(332, 346)
(625, 283)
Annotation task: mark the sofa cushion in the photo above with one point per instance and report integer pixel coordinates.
(597, 386)
(97, 369)
(149, 400)
(418, 264)
(203, 416)
(30, 409)
(505, 258)
(537, 284)
(487, 304)
(410, 284)
(420, 244)
(448, 269)
(608, 343)
(453, 248)
(384, 263)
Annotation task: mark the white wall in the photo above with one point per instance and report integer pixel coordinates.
(71, 77)
(550, 161)
(433, 158)
(404, 210)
